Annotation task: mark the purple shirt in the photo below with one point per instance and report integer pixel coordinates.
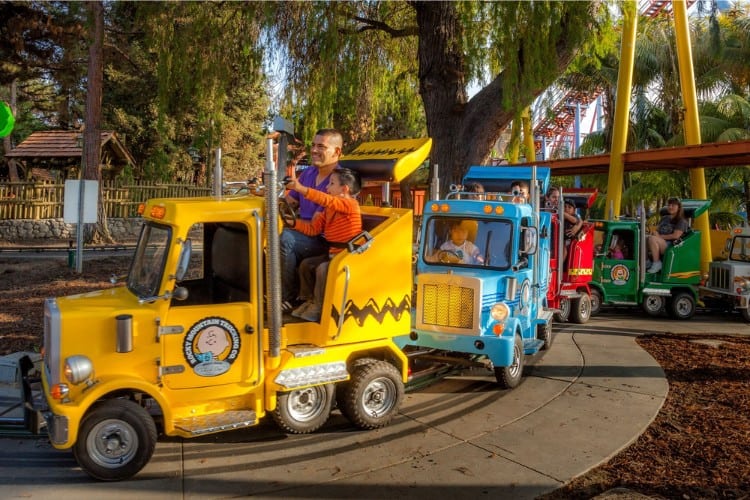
(307, 178)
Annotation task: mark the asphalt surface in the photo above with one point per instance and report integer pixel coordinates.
(592, 394)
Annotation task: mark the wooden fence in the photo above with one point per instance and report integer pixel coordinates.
(43, 200)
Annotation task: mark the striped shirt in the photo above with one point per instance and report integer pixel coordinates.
(338, 223)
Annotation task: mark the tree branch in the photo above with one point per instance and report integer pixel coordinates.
(372, 24)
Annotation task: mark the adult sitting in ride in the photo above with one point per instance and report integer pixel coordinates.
(296, 246)
(671, 227)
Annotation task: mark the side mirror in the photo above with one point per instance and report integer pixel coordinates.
(530, 240)
(184, 261)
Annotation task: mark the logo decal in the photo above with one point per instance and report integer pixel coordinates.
(619, 274)
(211, 346)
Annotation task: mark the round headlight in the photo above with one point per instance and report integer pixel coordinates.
(78, 369)
(500, 311)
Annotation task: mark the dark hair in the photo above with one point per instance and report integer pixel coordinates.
(521, 184)
(338, 139)
(680, 211)
(570, 202)
(475, 187)
(349, 178)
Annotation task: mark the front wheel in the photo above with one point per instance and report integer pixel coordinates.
(510, 376)
(116, 440)
(580, 311)
(373, 395)
(653, 305)
(596, 301)
(302, 411)
(682, 306)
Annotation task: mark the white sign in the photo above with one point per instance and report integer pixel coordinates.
(71, 205)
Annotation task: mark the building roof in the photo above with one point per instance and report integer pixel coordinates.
(62, 144)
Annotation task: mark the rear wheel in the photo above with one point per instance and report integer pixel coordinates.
(653, 305)
(510, 376)
(596, 301)
(373, 395)
(544, 332)
(581, 309)
(116, 440)
(304, 410)
(562, 316)
(682, 306)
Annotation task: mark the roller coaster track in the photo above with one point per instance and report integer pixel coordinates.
(555, 111)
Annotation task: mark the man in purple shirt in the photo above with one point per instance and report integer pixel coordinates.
(325, 152)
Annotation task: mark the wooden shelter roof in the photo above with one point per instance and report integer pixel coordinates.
(62, 144)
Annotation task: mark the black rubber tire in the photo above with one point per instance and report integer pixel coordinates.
(596, 301)
(508, 377)
(544, 332)
(653, 305)
(116, 440)
(302, 411)
(580, 310)
(682, 306)
(564, 313)
(373, 396)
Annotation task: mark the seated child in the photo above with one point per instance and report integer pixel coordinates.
(338, 223)
(458, 244)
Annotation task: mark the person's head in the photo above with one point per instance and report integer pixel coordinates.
(569, 207)
(674, 207)
(344, 181)
(553, 197)
(475, 187)
(326, 148)
(520, 188)
(459, 233)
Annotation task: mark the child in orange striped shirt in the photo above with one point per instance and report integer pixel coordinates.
(339, 222)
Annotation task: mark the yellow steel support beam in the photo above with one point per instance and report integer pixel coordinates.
(692, 122)
(622, 109)
(528, 135)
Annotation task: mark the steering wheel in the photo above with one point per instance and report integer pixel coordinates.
(288, 216)
(448, 257)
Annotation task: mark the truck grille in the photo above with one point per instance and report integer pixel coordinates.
(447, 305)
(720, 278)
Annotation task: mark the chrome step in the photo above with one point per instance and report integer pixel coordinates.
(217, 422)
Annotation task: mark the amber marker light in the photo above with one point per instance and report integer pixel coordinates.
(498, 328)
(499, 210)
(445, 207)
(434, 207)
(487, 209)
(141, 208)
(158, 212)
(58, 391)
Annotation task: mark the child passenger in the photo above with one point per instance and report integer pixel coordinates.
(338, 223)
(458, 244)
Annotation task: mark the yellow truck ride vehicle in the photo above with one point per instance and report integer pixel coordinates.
(193, 342)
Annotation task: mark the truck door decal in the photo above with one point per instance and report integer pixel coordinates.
(211, 346)
(620, 274)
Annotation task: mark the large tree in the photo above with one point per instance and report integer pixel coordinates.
(522, 46)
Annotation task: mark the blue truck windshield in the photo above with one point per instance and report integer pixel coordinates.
(468, 242)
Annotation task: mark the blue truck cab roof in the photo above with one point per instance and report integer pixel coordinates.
(498, 179)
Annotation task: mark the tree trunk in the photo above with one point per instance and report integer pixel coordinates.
(92, 130)
(464, 131)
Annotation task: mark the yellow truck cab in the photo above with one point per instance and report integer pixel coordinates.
(193, 342)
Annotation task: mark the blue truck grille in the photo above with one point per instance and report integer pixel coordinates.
(447, 305)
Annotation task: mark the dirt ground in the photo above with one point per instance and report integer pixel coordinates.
(698, 447)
